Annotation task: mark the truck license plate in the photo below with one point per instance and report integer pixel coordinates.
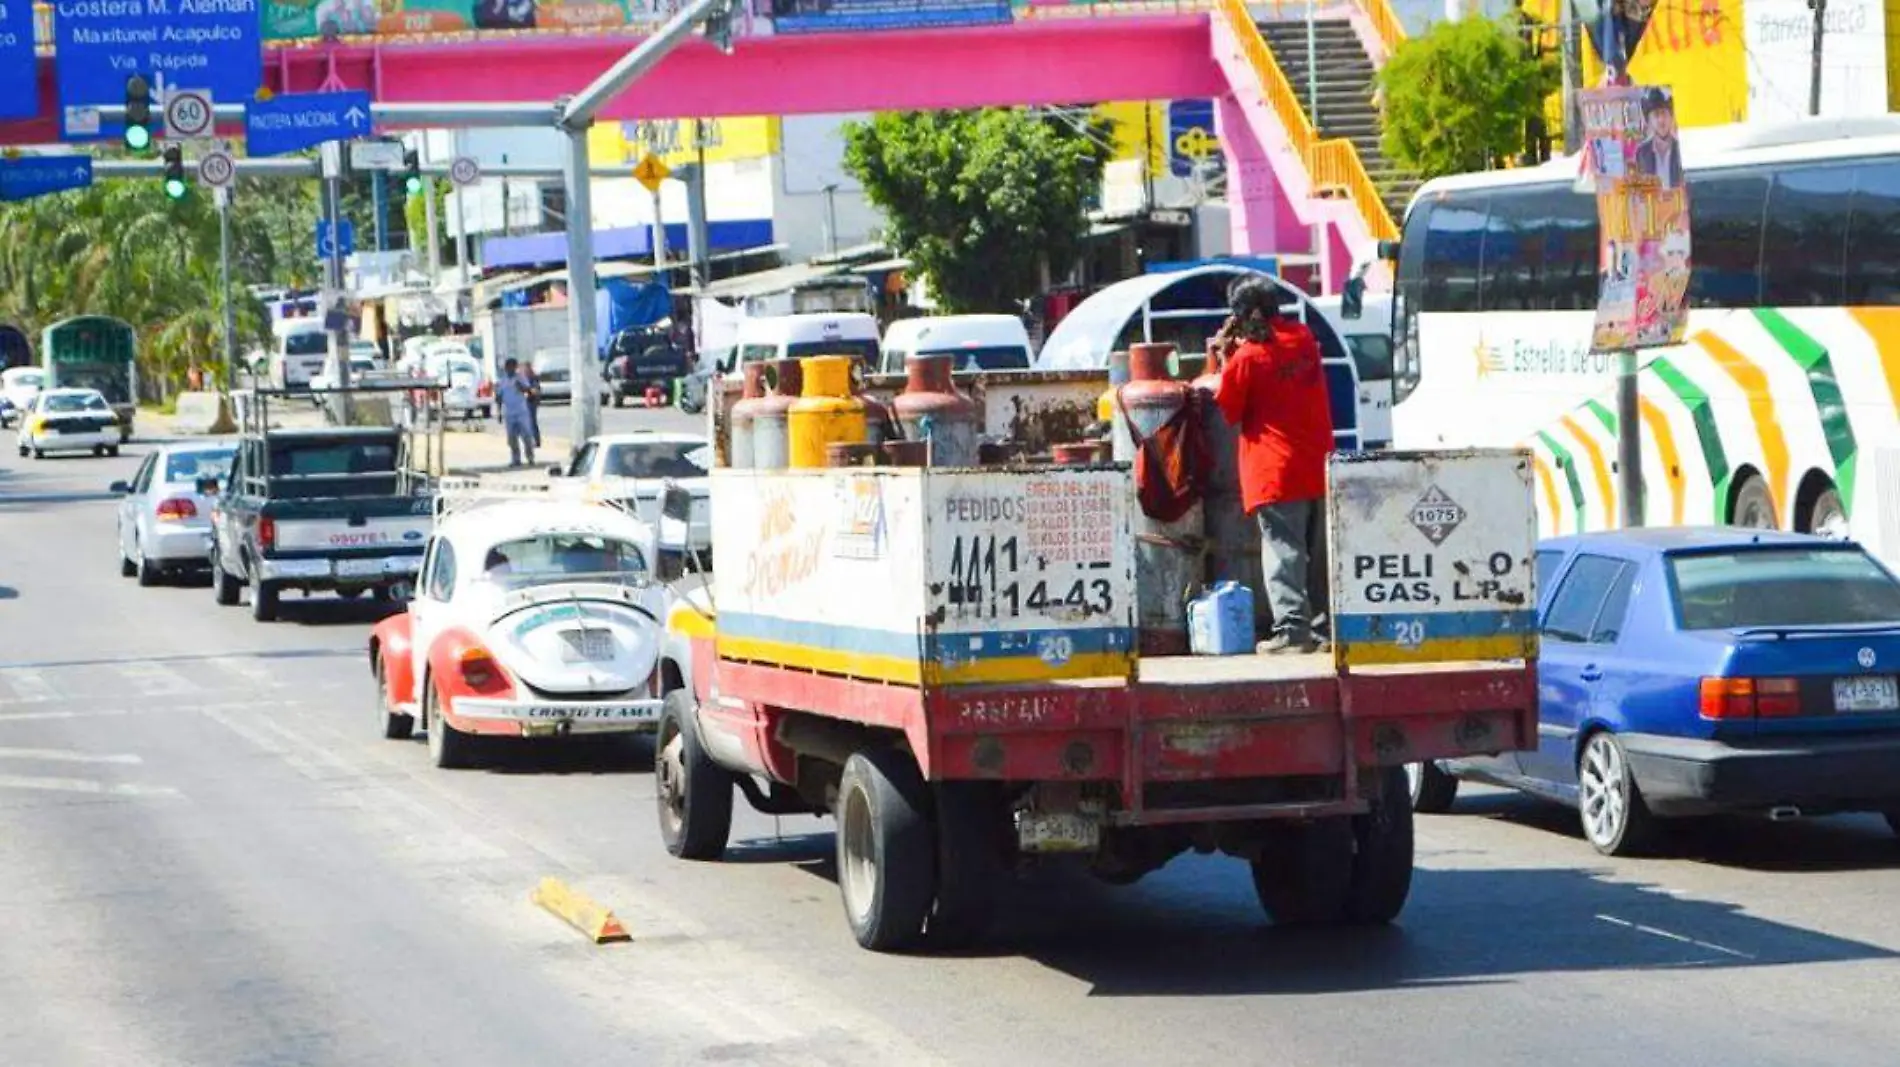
(1058, 832)
(613, 713)
(359, 568)
(588, 646)
(1878, 692)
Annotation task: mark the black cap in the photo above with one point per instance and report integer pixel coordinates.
(1655, 100)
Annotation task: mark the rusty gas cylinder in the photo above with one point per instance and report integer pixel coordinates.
(905, 453)
(743, 412)
(771, 441)
(1233, 538)
(930, 409)
(851, 454)
(1167, 554)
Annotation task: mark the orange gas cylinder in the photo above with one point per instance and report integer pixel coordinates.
(743, 412)
(1167, 554)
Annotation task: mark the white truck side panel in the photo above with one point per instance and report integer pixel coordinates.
(1433, 556)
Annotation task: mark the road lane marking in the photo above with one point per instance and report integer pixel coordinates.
(1669, 936)
(85, 785)
(28, 685)
(156, 680)
(143, 709)
(249, 670)
(60, 755)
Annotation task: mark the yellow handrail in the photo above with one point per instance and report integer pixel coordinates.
(1385, 24)
(1332, 164)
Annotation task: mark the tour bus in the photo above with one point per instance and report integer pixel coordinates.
(1778, 408)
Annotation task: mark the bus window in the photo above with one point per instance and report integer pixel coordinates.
(1873, 236)
(1725, 219)
(1807, 211)
(1454, 249)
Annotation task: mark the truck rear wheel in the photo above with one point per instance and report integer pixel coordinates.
(1305, 871)
(887, 867)
(263, 601)
(969, 863)
(695, 794)
(1382, 857)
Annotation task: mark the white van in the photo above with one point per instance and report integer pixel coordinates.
(302, 348)
(1368, 336)
(979, 342)
(798, 336)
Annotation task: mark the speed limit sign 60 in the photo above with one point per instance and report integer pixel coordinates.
(188, 114)
(217, 169)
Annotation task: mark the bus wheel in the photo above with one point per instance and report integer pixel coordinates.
(1827, 517)
(1753, 508)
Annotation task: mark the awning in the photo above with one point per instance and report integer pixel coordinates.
(881, 266)
(768, 281)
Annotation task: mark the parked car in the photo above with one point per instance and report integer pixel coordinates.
(69, 420)
(164, 522)
(18, 387)
(533, 618)
(633, 469)
(1690, 671)
(554, 370)
(976, 342)
(643, 356)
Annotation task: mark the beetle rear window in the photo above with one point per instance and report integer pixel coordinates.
(564, 557)
(1782, 587)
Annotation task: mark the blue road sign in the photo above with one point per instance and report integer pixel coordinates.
(1191, 138)
(346, 231)
(31, 176)
(293, 123)
(182, 44)
(19, 70)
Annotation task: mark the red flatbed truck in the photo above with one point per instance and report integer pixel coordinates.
(946, 660)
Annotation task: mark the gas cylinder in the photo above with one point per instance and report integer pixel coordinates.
(1117, 377)
(826, 414)
(771, 445)
(1167, 554)
(930, 409)
(743, 412)
(1233, 538)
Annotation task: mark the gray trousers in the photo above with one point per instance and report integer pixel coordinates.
(1293, 564)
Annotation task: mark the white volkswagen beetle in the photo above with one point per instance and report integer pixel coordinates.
(532, 617)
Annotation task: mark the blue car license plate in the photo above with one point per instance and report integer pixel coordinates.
(1875, 692)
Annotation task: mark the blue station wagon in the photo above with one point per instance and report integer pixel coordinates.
(1689, 671)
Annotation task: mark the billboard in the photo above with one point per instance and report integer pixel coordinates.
(1633, 155)
(289, 20)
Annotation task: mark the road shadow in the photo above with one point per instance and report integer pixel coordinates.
(813, 851)
(323, 609)
(1195, 928)
(598, 755)
(1818, 845)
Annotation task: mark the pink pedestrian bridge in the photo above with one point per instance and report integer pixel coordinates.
(1283, 180)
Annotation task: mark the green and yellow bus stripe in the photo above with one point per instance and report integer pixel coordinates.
(1708, 436)
(1569, 467)
(1666, 451)
(1883, 325)
(1753, 382)
(1599, 468)
(1811, 356)
(1552, 506)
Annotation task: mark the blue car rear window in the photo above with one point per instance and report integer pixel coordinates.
(1782, 587)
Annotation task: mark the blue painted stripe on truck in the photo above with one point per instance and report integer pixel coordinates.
(1432, 625)
(943, 648)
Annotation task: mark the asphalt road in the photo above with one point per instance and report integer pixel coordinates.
(209, 857)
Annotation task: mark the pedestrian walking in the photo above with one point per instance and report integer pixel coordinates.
(1274, 388)
(517, 416)
(534, 402)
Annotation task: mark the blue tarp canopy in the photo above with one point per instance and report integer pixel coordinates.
(624, 242)
(624, 305)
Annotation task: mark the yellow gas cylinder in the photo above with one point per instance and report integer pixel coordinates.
(827, 413)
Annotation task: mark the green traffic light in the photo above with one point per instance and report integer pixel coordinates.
(413, 186)
(175, 188)
(138, 138)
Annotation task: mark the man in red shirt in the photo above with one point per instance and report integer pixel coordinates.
(1273, 387)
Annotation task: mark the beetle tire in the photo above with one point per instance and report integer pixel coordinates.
(449, 749)
(396, 725)
(1382, 853)
(1305, 872)
(887, 863)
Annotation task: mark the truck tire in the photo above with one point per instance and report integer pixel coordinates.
(969, 863)
(694, 793)
(449, 749)
(1305, 871)
(1431, 788)
(396, 725)
(264, 601)
(887, 866)
(1382, 855)
(224, 587)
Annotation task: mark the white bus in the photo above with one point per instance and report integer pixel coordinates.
(1776, 411)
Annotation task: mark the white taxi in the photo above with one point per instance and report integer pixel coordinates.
(69, 420)
(533, 617)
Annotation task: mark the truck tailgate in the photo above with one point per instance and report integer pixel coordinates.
(343, 524)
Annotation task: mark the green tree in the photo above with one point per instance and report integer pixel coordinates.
(1463, 97)
(983, 202)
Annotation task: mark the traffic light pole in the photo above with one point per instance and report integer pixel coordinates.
(224, 282)
(332, 159)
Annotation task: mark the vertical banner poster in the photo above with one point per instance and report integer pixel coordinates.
(1634, 157)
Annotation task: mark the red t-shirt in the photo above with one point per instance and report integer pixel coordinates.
(1276, 393)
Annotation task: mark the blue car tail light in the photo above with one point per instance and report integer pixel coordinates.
(1730, 699)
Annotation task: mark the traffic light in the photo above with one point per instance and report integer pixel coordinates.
(175, 186)
(412, 172)
(138, 113)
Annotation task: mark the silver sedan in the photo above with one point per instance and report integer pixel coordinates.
(165, 510)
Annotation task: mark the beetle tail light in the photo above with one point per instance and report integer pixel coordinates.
(480, 670)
